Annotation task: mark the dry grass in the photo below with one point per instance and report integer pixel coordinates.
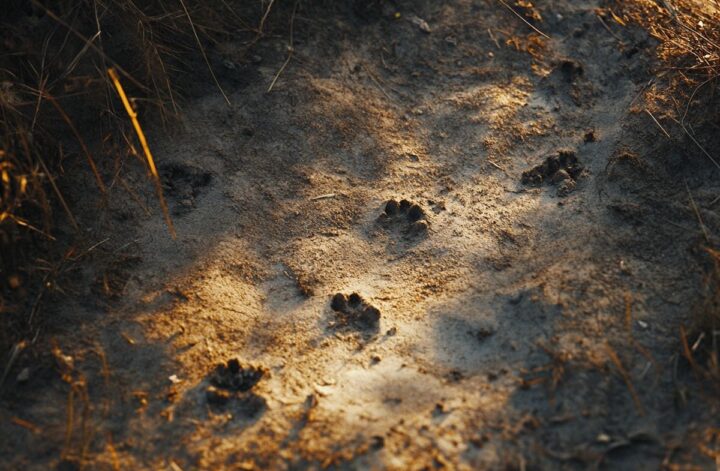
(687, 32)
(682, 95)
(683, 102)
(58, 105)
(701, 346)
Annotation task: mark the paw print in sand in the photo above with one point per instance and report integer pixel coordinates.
(184, 184)
(235, 376)
(232, 383)
(354, 310)
(562, 170)
(405, 216)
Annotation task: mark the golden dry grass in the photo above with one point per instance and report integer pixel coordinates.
(683, 97)
(58, 105)
(687, 32)
(688, 46)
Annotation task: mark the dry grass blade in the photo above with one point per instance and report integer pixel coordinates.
(202, 51)
(628, 314)
(70, 414)
(26, 424)
(261, 26)
(146, 149)
(688, 33)
(696, 210)
(88, 42)
(15, 352)
(524, 20)
(658, 124)
(26, 145)
(80, 140)
(113, 453)
(687, 352)
(626, 377)
(291, 49)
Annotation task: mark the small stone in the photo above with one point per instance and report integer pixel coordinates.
(14, 281)
(420, 23)
(24, 375)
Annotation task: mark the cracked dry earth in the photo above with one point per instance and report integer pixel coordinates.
(419, 251)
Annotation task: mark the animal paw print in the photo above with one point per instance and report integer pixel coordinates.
(235, 376)
(232, 382)
(562, 170)
(184, 184)
(354, 310)
(410, 218)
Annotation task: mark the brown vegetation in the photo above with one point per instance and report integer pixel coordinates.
(683, 101)
(57, 102)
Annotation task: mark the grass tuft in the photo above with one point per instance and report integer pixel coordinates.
(682, 101)
(60, 110)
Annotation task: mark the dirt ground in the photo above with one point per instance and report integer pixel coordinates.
(449, 243)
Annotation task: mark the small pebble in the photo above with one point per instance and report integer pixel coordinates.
(24, 375)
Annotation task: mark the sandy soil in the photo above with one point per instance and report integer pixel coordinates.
(529, 304)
